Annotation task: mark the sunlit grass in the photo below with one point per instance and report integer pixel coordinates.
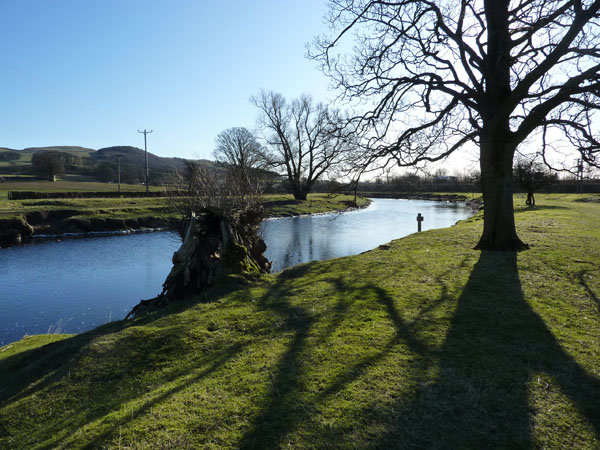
(127, 208)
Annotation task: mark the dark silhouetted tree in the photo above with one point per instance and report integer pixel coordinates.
(48, 164)
(434, 76)
(531, 175)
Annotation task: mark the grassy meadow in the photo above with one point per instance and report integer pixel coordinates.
(420, 344)
(68, 184)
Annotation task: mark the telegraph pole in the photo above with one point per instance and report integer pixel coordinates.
(145, 132)
(119, 169)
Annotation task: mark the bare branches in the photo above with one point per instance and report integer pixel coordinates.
(466, 65)
(304, 138)
(238, 147)
(202, 188)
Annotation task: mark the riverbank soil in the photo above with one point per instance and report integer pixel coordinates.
(422, 343)
(20, 220)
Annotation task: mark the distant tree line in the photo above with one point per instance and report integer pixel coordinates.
(9, 156)
(529, 178)
(101, 166)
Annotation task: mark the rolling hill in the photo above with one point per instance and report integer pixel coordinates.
(87, 161)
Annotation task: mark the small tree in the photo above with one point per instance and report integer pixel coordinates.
(531, 175)
(304, 138)
(238, 150)
(48, 164)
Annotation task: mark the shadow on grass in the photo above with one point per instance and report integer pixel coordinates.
(286, 408)
(581, 276)
(523, 208)
(495, 347)
(480, 395)
(489, 367)
(126, 361)
(283, 410)
(273, 203)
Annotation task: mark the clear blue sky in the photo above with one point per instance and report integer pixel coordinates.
(91, 73)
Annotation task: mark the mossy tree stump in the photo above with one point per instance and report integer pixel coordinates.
(215, 245)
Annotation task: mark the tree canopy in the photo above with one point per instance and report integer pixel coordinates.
(433, 77)
(48, 164)
(238, 150)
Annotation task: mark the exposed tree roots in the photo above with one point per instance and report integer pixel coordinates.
(215, 245)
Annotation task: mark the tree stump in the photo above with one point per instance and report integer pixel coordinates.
(215, 244)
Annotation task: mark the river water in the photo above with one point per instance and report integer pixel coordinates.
(71, 286)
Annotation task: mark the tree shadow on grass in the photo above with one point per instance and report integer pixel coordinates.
(29, 374)
(283, 410)
(495, 348)
(289, 405)
(581, 275)
(497, 360)
(524, 209)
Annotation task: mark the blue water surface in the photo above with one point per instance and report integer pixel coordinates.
(71, 286)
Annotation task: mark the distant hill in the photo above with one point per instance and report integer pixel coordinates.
(100, 164)
(135, 156)
(61, 148)
(23, 157)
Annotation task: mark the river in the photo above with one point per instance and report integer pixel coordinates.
(71, 286)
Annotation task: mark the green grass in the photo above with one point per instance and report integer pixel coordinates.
(285, 205)
(118, 208)
(128, 208)
(15, 176)
(69, 186)
(427, 344)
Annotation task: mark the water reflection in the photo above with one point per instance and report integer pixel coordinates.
(295, 240)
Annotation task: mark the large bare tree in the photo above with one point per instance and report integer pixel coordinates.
(304, 138)
(434, 76)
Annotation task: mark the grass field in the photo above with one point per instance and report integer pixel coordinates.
(128, 208)
(68, 186)
(426, 344)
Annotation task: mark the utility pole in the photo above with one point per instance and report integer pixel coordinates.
(145, 132)
(119, 170)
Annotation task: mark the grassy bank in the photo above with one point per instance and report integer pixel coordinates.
(422, 344)
(125, 208)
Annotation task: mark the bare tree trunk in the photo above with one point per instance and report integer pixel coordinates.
(300, 192)
(499, 231)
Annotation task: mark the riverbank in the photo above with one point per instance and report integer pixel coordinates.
(423, 343)
(23, 220)
(473, 201)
